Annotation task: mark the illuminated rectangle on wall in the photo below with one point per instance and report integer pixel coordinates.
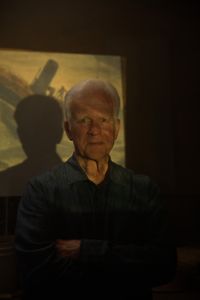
(25, 74)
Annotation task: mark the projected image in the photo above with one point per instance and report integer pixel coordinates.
(32, 89)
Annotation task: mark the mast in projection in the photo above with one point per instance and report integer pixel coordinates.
(41, 83)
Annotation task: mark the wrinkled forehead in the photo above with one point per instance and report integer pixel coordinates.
(97, 100)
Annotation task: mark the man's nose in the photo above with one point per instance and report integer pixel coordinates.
(95, 127)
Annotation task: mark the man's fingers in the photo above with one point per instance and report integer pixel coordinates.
(68, 248)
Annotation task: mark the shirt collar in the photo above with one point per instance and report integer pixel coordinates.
(76, 173)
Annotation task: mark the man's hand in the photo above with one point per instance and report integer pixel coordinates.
(68, 248)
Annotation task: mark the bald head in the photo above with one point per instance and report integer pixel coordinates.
(89, 88)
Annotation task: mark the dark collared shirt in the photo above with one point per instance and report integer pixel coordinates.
(126, 242)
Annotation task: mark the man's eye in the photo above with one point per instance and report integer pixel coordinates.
(84, 120)
(105, 120)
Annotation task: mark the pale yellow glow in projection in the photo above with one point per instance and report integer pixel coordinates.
(22, 74)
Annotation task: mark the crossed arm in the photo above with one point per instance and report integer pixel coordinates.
(68, 248)
(153, 261)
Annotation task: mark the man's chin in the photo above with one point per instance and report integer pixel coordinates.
(97, 153)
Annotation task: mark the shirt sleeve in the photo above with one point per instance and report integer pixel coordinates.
(150, 260)
(38, 261)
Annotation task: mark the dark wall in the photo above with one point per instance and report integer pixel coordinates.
(160, 43)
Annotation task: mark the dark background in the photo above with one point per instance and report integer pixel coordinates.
(160, 43)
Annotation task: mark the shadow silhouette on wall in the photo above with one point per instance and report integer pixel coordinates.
(39, 121)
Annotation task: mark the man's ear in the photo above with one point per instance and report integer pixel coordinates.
(117, 127)
(68, 130)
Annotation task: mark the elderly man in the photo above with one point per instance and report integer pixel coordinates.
(91, 228)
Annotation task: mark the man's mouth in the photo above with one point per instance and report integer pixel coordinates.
(95, 143)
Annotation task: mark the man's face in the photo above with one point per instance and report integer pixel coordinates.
(92, 127)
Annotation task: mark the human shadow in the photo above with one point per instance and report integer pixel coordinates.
(39, 122)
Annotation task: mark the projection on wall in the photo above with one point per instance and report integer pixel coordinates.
(32, 89)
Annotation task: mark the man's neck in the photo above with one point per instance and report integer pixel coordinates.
(94, 169)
